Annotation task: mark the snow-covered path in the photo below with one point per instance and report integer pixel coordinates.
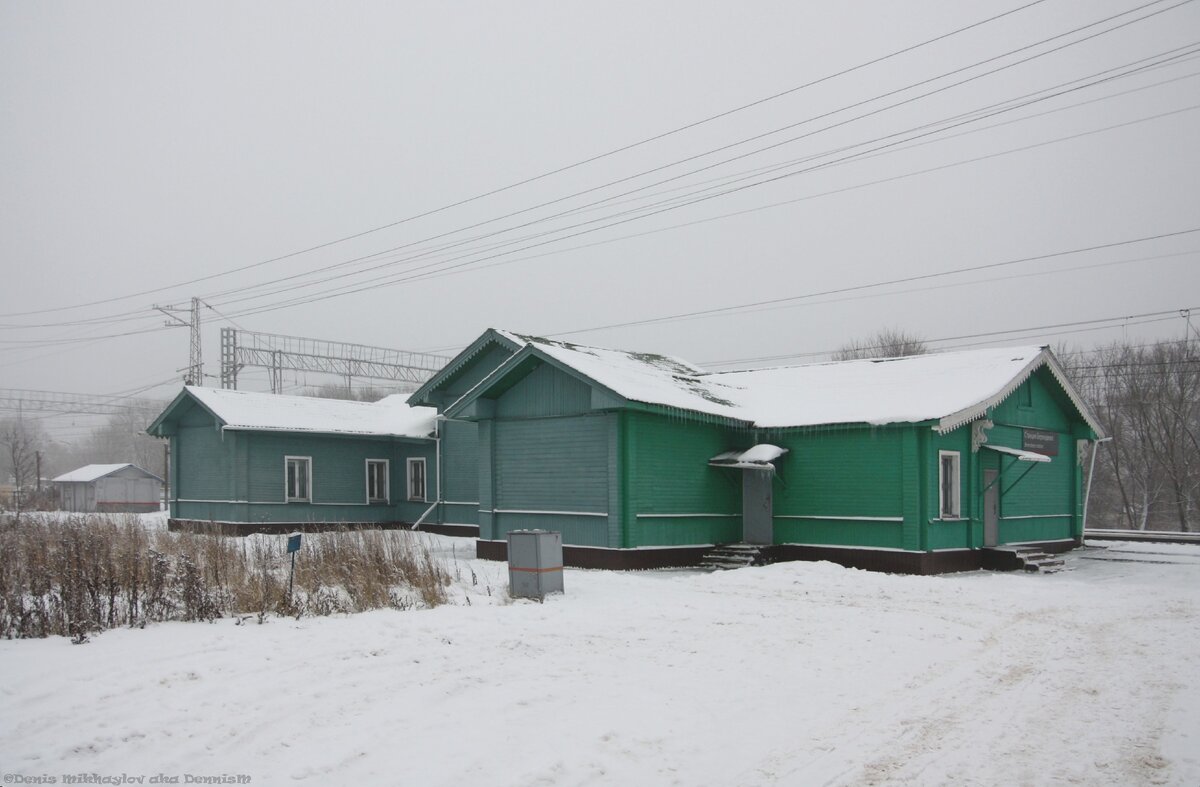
(797, 673)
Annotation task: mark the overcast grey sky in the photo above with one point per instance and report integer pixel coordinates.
(145, 145)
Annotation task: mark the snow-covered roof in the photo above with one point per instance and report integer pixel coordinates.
(648, 377)
(512, 341)
(89, 473)
(882, 391)
(952, 388)
(249, 410)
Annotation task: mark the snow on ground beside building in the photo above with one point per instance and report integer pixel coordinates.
(798, 673)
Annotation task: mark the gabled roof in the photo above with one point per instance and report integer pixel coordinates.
(950, 388)
(264, 412)
(492, 336)
(89, 473)
(647, 377)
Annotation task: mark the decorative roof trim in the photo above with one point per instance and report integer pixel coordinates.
(1044, 358)
(457, 363)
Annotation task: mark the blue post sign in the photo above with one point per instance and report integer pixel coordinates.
(293, 548)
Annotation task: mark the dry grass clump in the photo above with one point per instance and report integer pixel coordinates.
(81, 574)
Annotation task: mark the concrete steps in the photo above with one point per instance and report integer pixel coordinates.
(730, 556)
(1035, 560)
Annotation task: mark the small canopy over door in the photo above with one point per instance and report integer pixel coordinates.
(758, 472)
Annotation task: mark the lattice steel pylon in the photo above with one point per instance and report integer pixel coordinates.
(276, 353)
(195, 367)
(195, 358)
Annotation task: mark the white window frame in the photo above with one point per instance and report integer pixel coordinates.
(424, 497)
(387, 480)
(956, 491)
(287, 492)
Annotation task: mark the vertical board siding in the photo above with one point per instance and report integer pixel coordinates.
(669, 473)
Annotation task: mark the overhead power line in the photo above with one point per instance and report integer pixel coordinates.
(872, 285)
(591, 159)
(1109, 322)
(475, 263)
(561, 214)
(465, 262)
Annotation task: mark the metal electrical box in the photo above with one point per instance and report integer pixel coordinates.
(535, 563)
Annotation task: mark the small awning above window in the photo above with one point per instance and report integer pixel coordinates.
(759, 457)
(1023, 456)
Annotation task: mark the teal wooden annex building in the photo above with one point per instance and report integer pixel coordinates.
(916, 464)
(254, 462)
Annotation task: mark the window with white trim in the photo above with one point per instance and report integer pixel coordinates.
(949, 485)
(298, 478)
(377, 480)
(416, 480)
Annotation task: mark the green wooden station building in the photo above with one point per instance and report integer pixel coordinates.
(245, 462)
(920, 464)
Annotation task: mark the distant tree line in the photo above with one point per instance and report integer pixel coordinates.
(1147, 398)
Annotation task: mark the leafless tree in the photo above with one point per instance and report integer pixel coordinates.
(369, 394)
(1147, 398)
(21, 441)
(887, 343)
(122, 438)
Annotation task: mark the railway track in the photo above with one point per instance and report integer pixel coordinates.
(1149, 536)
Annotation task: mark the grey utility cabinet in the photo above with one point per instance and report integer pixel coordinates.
(535, 563)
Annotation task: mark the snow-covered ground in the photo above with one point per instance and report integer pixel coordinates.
(798, 673)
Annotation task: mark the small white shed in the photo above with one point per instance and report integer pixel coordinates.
(117, 487)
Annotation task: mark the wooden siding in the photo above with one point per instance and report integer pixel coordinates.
(555, 464)
(1045, 504)
(238, 476)
(667, 471)
(545, 391)
(471, 374)
(547, 462)
(1033, 509)
(200, 459)
(841, 486)
(460, 472)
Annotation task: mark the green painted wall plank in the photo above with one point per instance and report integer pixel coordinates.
(669, 474)
(545, 391)
(555, 464)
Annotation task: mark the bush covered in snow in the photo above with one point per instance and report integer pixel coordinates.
(85, 573)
